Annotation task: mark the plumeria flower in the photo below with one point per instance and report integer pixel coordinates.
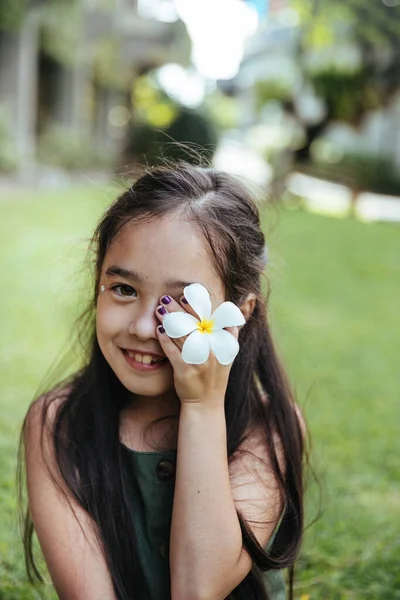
(206, 332)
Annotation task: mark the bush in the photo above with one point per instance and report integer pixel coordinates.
(60, 146)
(191, 128)
(8, 153)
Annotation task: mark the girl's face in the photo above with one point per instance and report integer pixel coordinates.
(145, 262)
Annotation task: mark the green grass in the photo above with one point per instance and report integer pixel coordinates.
(334, 312)
(335, 306)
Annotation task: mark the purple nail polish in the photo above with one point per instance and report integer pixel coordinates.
(161, 310)
(161, 329)
(184, 301)
(165, 300)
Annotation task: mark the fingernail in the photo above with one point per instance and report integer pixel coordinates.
(184, 301)
(165, 300)
(161, 329)
(161, 310)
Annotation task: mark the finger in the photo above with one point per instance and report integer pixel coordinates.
(169, 347)
(169, 305)
(233, 330)
(185, 304)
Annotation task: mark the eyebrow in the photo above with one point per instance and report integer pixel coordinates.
(117, 271)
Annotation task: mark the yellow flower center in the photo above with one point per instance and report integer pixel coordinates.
(205, 326)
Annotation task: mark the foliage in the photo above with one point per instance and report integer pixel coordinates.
(364, 23)
(273, 89)
(62, 26)
(109, 70)
(372, 29)
(151, 104)
(191, 128)
(330, 280)
(13, 12)
(8, 153)
(347, 53)
(224, 110)
(161, 124)
(61, 146)
(63, 42)
(347, 95)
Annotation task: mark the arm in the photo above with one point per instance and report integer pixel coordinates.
(69, 545)
(206, 555)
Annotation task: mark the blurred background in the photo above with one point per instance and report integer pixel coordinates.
(301, 97)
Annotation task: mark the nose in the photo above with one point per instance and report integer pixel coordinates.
(143, 324)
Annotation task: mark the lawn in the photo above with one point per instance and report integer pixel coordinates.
(335, 314)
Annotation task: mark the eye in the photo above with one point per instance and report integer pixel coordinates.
(122, 289)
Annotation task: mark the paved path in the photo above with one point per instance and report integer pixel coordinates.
(325, 197)
(316, 195)
(51, 179)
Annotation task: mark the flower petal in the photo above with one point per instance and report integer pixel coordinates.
(196, 349)
(224, 345)
(178, 324)
(199, 299)
(227, 315)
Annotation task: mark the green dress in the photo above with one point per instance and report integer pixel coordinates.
(150, 484)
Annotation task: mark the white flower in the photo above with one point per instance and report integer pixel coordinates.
(206, 332)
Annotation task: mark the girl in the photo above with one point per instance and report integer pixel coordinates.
(150, 478)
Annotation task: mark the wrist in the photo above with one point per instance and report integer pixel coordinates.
(212, 403)
(202, 422)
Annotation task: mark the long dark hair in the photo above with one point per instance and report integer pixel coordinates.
(85, 433)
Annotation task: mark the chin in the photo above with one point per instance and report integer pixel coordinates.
(139, 389)
(152, 384)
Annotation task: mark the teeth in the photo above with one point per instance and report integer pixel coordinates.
(146, 359)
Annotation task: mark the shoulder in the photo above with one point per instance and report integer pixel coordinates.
(38, 427)
(254, 483)
(255, 449)
(256, 490)
(42, 411)
(67, 534)
(53, 398)
(252, 459)
(44, 480)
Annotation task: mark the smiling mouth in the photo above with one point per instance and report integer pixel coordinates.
(145, 359)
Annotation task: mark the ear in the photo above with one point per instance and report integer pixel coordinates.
(248, 306)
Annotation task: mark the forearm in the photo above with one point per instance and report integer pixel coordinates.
(206, 539)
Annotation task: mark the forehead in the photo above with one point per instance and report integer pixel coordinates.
(167, 248)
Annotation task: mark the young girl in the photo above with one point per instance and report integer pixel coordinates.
(150, 477)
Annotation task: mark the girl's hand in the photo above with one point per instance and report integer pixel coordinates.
(201, 383)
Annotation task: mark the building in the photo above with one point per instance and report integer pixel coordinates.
(69, 66)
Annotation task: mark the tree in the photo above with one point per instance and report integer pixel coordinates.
(13, 12)
(349, 92)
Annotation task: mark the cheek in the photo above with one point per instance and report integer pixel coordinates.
(109, 321)
(217, 298)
